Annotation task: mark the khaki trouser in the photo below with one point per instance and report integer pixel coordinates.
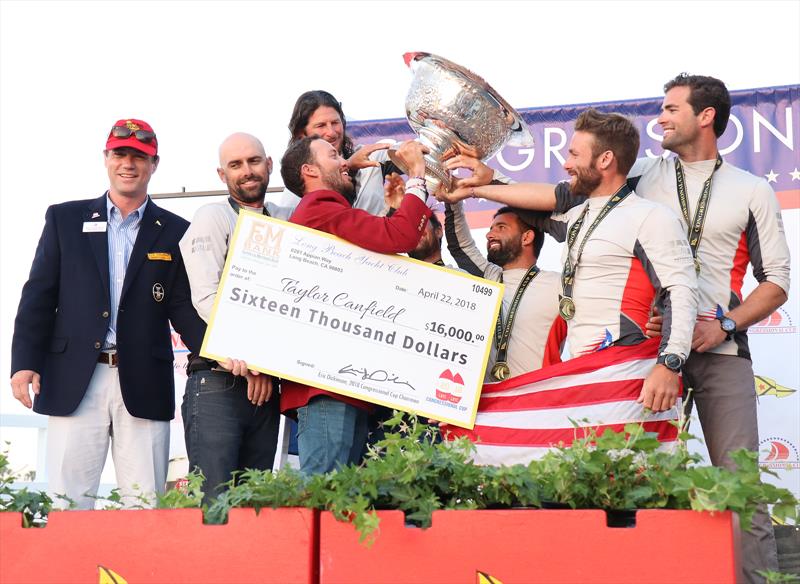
(725, 395)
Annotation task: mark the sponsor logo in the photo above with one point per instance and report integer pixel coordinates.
(264, 241)
(768, 386)
(450, 387)
(777, 323)
(778, 454)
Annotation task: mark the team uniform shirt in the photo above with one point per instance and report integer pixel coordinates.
(538, 332)
(743, 225)
(204, 247)
(637, 254)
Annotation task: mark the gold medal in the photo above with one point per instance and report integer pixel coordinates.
(500, 370)
(566, 308)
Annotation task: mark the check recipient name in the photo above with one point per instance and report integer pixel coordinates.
(307, 306)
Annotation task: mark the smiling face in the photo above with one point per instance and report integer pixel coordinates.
(129, 172)
(504, 239)
(326, 123)
(245, 169)
(332, 168)
(581, 164)
(681, 126)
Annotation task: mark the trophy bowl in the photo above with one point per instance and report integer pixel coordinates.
(455, 111)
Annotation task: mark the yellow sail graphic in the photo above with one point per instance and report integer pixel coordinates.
(768, 386)
(108, 576)
(484, 578)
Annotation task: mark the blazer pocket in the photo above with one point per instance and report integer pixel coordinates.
(58, 345)
(163, 353)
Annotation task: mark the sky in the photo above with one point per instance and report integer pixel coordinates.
(198, 71)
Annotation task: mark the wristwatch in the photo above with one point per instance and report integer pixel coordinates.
(728, 326)
(671, 361)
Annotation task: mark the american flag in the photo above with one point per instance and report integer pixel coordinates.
(521, 418)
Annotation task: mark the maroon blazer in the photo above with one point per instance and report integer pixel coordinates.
(330, 212)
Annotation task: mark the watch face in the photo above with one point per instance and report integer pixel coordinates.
(727, 325)
(673, 362)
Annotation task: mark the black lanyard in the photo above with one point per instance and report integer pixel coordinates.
(502, 333)
(695, 233)
(236, 207)
(567, 305)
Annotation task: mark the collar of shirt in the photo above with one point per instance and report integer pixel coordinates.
(115, 215)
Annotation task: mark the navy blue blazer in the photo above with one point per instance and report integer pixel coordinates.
(63, 314)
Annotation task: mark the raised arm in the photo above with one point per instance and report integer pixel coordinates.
(461, 245)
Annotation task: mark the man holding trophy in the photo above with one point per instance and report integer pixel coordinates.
(332, 429)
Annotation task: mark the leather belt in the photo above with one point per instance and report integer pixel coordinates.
(110, 359)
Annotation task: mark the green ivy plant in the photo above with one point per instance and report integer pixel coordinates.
(411, 470)
(34, 505)
(414, 471)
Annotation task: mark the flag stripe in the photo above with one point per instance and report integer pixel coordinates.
(566, 417)
(595, 393)
(554, 436)
(521, 418)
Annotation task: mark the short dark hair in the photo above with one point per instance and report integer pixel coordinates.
(705, 91)
(298, 154)
(304, 108)
(612, 132)
(435, 221)
(538, 235)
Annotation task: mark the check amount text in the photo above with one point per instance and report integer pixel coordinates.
(453, 332)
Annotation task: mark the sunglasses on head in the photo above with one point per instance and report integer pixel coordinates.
(144, 136)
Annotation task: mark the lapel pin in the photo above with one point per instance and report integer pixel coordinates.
(158, 222)
(95, 215)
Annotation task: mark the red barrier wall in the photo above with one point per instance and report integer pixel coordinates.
(160, 546)
(547, 546)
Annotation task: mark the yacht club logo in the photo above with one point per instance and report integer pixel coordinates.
(158, 292)
(778, 453)
(777, 323)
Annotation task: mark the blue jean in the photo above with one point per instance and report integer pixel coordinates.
(224, 431)
(330, 433)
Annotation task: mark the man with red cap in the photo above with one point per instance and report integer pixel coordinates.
(92, 335)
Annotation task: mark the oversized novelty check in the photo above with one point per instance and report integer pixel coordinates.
(310, 307)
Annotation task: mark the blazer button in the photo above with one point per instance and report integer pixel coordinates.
(105, 314)
(97, 345)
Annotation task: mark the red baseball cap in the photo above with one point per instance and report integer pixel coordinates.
(132, 133)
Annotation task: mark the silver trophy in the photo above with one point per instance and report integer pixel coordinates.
(455, 111)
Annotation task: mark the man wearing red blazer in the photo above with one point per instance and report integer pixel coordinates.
(332, 429)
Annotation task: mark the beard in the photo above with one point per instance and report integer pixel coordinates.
(253, 194)
(675, 140)
(427, 246)
(508, 251)
(336, 182)
(585, 180)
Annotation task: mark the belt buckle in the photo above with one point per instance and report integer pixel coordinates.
(110, 359)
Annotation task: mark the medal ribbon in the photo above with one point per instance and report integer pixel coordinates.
(568, 273)
(695, 233)
(503, 333)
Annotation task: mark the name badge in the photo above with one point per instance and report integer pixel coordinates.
(94, 226)
(164, 257)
